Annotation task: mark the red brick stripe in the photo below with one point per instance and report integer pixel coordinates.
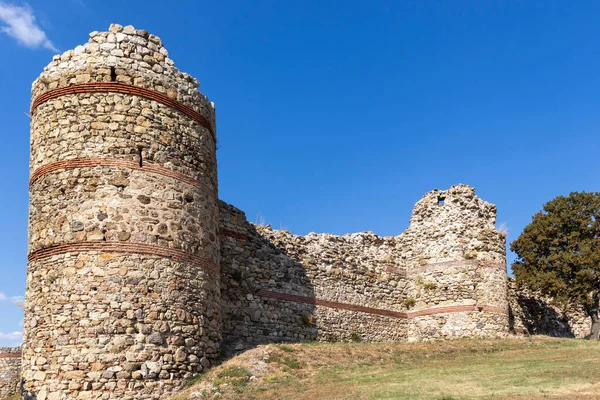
(377, 311)
(232, 234)
(125, 247)
(123, 88)
(396, 271)
(457, 263)
(330, 304)
(10, 355)
(120, 163)
(453, 309)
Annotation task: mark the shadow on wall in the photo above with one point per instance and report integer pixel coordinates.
(252, 313)
(536, 317)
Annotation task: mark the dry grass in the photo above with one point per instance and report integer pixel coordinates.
(535, 368)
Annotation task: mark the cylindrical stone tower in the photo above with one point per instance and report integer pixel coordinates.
(123, 295)
(457, 269)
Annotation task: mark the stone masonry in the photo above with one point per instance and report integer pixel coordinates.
(123, 278)
(444, 277)
(10, 371)
(140, 278)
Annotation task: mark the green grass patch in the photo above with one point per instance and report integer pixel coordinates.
(467, 369)
(288, 361)
(233, 375)
(287, 349)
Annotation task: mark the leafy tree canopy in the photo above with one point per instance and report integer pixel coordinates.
(558, 253)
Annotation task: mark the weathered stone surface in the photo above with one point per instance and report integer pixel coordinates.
(533, 314)
(10, 371)
(450, 256)
(124, 254)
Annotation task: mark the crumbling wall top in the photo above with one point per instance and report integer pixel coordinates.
(456, 205)
(136, 51)
(453, 224)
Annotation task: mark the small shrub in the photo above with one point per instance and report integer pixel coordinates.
(237, 275)
(422, 261)
(470, 255)
(429, 286)
(307, 319)
(503, 230)
(409, 302)
(355, 337)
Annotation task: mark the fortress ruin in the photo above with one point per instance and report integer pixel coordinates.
(140, 277)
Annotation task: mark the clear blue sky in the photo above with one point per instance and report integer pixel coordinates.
(337, 116)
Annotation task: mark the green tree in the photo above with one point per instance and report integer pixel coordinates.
(558, 253)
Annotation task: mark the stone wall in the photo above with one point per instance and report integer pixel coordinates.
(280, 287)
(10, 371)
(123, 277)
(444, 277)
(533, 314)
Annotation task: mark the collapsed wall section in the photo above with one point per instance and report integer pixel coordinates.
(123, 277)
(10, 371)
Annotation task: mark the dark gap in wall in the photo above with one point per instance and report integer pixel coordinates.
(140, 154)
(441, 200)
(113, 74)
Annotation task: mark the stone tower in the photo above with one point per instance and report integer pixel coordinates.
(123, 276)
(457, 267)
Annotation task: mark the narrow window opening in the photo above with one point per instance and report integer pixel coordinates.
(441, 200)
(113, 74)
(140, 155)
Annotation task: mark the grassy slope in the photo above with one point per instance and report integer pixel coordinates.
(533, 368)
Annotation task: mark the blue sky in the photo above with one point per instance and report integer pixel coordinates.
(338, 116)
